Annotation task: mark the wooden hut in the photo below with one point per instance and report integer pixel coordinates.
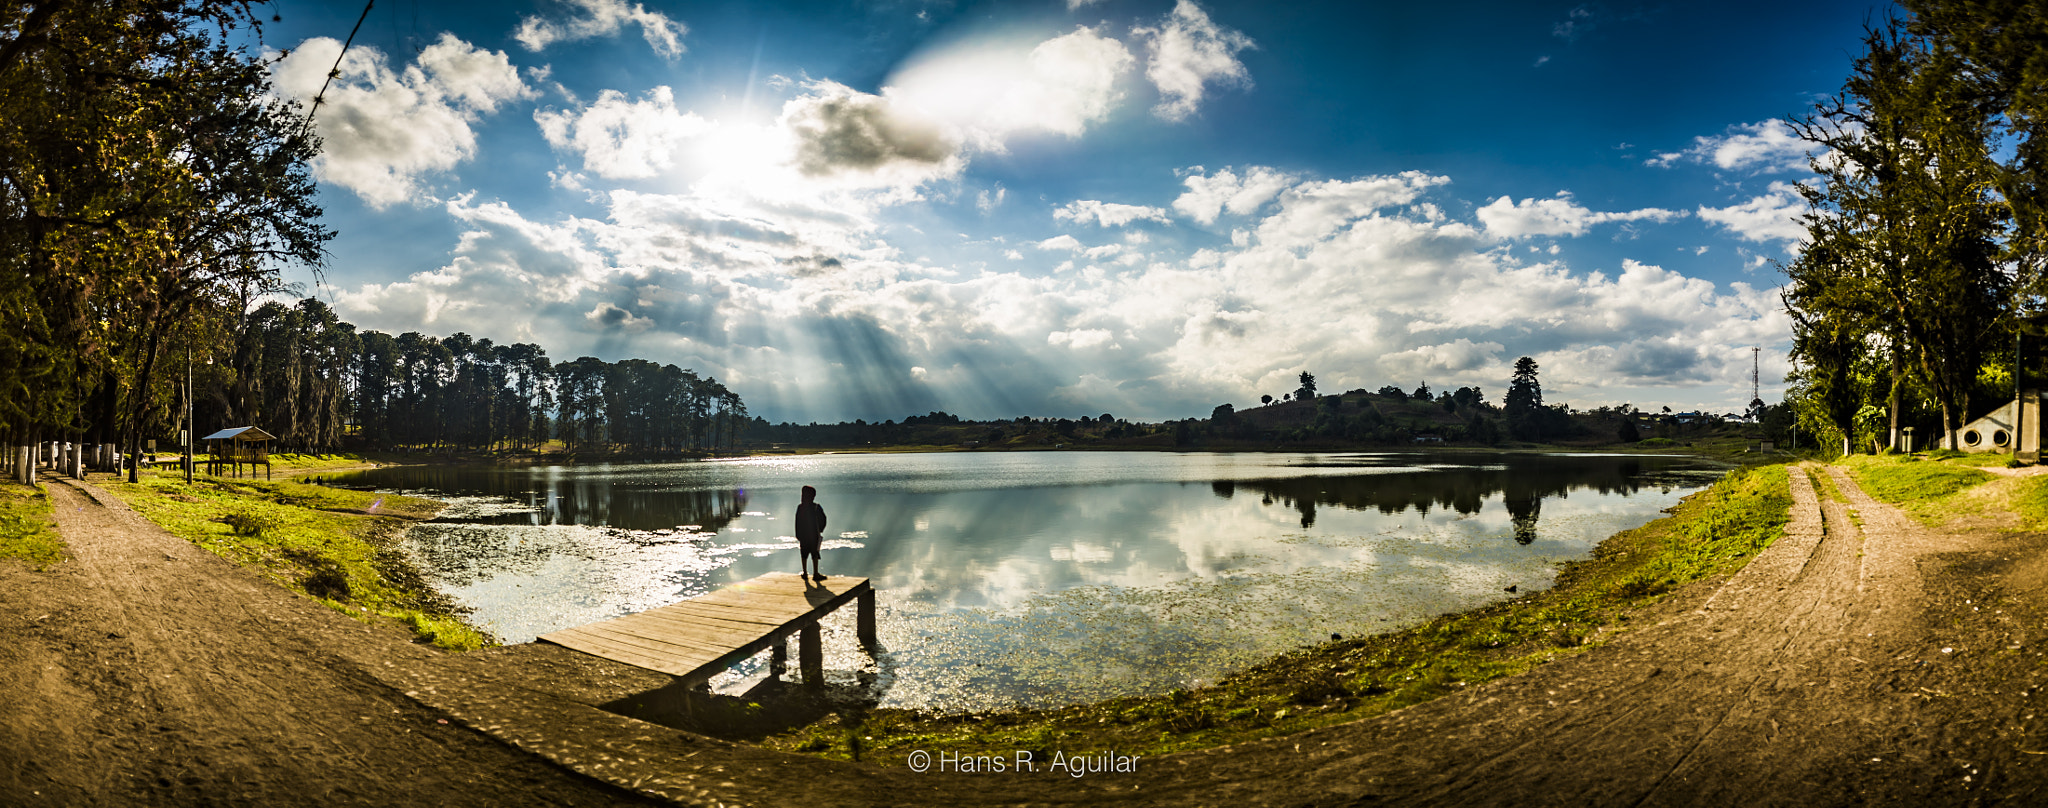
(233, 447)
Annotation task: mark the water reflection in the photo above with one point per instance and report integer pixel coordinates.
(1041, 578)
(1522, 481)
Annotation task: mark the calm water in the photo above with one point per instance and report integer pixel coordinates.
(1039, 578)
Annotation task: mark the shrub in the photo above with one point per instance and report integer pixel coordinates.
(248, 523)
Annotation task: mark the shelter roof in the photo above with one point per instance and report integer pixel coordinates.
(240, 433)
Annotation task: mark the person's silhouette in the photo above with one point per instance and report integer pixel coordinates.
(810, 534)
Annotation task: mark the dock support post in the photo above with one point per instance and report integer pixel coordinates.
(810, 651)
(864, 607)
(778, 659)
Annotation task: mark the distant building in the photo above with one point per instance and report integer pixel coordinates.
(2015, 421)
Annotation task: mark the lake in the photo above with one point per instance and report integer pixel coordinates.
(1038, 578)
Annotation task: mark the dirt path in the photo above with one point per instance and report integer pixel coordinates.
(148, 671)
(1862, 659)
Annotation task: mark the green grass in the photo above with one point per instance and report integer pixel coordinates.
(1824, 485)
(26, 531)
(1709, 534)
(1929, 488)
(283, 462)
(2030, 501)
(333, 545)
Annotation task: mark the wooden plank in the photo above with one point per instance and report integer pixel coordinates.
(671, 645)
(732, 632)
(780, 600)
(695, 638)
(797, 592)
(671, 656)
(755, 610)
(667, 660)
(730, 614)
(685, 636)
(771, 605)
(599, 648)
(833, 587)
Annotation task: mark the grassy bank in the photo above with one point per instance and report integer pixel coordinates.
(1711, 533)
(1935, 487)
(26, 531)
(335, 546)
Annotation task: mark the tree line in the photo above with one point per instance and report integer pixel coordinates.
(154, 186)
(1925, 229)
(1522, 415)
(315, 381)
(150, 180)
(1390, 416)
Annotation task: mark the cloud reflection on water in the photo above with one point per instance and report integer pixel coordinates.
(1050, 577)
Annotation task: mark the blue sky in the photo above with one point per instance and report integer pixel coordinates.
(872, 210)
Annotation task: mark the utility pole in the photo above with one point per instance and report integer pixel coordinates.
(188, 414)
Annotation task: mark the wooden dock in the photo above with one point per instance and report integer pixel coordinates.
(695, 639)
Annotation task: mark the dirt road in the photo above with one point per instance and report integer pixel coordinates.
(146, 671)
(1862, 659)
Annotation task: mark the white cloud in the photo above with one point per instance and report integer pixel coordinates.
(1107, 214)
(1312, 211)
(1761, 147)
(1557, 216)
(804, 306)
(988, 92)
(623, 139)
(987, 202)
(1772, 216)
(1457, 356)
(604, 18)
(1208, 196)
(1079, 338)
(1189, 53)
(384, 129)
(1579, 22)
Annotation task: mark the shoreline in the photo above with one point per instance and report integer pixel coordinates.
(1702, 657)
(1281, 718)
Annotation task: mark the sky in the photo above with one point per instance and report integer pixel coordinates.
(1074, 207)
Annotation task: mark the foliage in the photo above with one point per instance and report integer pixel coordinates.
(1904, 290)
(1527, 418)
(148, 179)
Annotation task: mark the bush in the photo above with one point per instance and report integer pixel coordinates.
(248, 523)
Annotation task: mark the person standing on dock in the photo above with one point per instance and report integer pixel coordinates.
(810, 533)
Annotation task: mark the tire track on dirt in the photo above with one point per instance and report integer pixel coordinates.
(220, 687)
